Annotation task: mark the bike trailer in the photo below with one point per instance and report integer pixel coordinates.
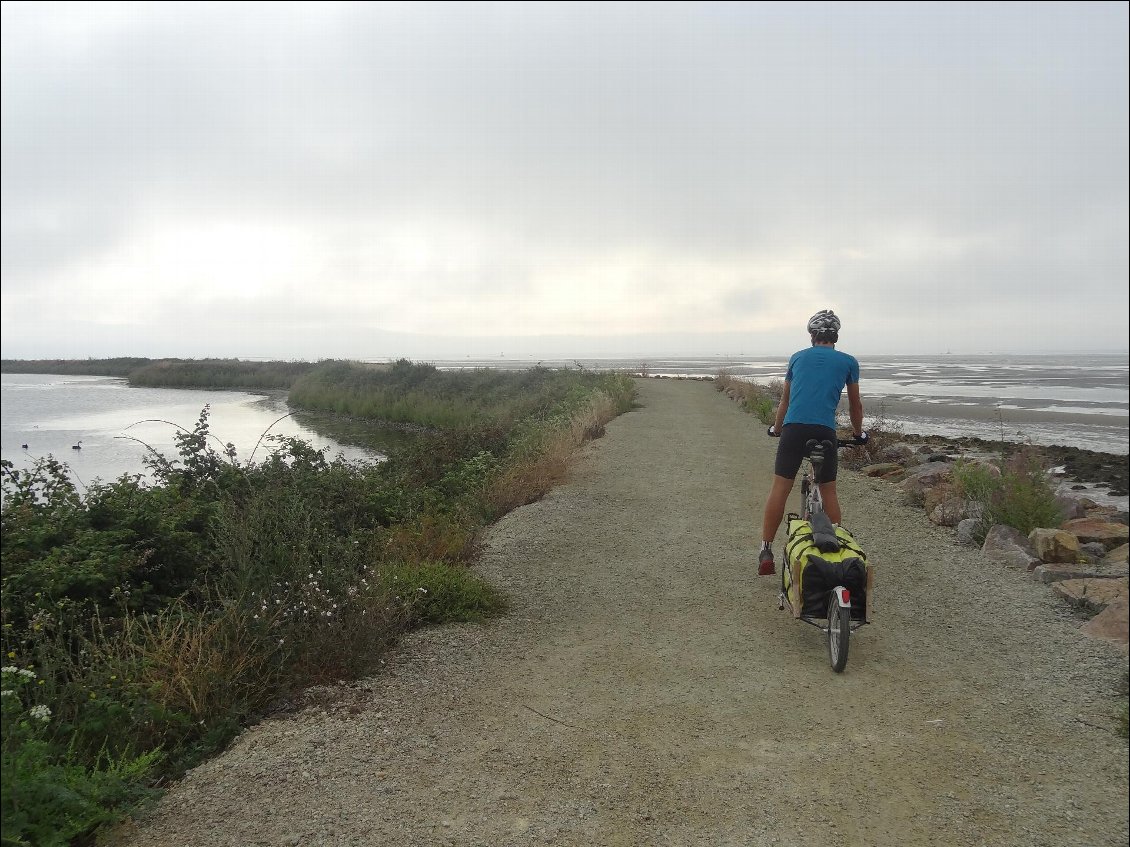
(817, 561)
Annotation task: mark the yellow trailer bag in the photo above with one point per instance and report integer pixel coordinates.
(810, 571)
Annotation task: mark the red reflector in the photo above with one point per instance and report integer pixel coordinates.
(846, 595)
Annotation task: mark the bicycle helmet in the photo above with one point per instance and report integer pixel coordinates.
(824, 322)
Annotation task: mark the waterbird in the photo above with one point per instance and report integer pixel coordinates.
(23, 446)
(77, 446)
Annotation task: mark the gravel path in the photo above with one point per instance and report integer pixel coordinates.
(646, 691)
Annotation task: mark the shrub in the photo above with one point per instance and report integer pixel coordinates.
(437, 592)
(1021, 497)
(882, 432)
(760, 400)
(50, 796)
(165, 616)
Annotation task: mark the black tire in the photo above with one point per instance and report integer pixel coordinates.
(805, 487)
(839, 633)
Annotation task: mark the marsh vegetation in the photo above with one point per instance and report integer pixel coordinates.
(145, 624)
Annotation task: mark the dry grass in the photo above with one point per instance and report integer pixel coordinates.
(431, 537)
(531, 479)
(758, 399)
(882, 432)
(205, 667)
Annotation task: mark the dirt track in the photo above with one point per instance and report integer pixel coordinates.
(645, 689)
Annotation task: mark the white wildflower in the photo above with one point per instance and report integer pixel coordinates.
(9, 669)
(40, 713)
(24, 672)
(7, 692)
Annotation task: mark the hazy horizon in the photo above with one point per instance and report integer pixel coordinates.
(516, 356)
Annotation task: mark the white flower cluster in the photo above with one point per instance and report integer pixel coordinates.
(307, 600)
(20, 671)
(39, 713)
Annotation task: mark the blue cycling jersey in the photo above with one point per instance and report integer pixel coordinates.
(816, 378)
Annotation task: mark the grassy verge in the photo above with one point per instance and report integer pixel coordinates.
(760, 400)
(144, 625)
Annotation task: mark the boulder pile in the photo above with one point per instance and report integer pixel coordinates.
(1083, 560)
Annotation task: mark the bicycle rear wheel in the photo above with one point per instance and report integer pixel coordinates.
(839, 632)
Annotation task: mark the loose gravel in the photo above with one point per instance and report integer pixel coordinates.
(645, 690)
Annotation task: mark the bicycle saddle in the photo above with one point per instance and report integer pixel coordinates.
(816, 449)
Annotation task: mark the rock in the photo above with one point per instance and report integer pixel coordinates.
(941, 492)
(1010, 547)
(1054, 545)
(1110, 535)
(1093, 548)
(1119, 555)
(1057, 572)
(899, 453)
(949, 512)
(1094, 594)
(923, 477)
(1070, 507)
(1112, 624)
(967, 531)
(946, 507)
(882, 469)
(939, 457)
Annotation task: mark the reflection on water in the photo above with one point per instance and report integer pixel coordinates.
(113, 426)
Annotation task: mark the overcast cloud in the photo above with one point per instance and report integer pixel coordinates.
(376, 180)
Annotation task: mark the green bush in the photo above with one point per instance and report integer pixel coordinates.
(50, 795)
(164, 615)
(756, 398)
(1020, 497)
(435, 592)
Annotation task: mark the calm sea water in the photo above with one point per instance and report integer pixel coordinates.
(50, 414)
(1082, 401)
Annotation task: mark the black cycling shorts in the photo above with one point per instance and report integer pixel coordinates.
(791, 451)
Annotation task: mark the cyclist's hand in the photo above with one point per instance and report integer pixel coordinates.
(773, 432)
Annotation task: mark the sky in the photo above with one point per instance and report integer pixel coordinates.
(370, 181)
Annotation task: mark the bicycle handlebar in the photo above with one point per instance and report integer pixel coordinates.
(863, 439)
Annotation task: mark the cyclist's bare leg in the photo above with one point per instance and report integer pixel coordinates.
(775, 506)
(831, 501)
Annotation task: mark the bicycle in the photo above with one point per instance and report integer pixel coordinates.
(831, 609)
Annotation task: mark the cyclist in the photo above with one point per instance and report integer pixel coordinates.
(815, 379)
